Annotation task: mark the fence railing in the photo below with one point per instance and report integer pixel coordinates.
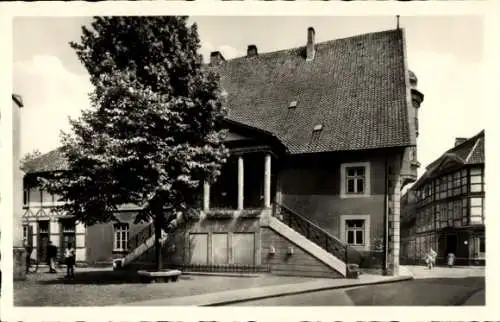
(317, 235)
(226, 268)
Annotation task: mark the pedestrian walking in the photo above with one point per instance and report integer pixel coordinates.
(451, 259)
(29, 250)
(430, 258)
(69, 256)
(52, 255)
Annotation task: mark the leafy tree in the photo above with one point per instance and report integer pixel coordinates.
(152, 134)
(29, 157)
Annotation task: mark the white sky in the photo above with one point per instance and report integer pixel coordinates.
(445, 53)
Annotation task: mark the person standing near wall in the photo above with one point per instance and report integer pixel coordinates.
(52, 254)
(430, 258)
(69, 256)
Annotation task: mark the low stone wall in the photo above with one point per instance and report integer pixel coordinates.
(300, 263)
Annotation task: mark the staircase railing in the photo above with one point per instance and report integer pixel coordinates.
(141, 237)
(317, 235)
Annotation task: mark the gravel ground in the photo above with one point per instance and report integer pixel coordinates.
(105, 287)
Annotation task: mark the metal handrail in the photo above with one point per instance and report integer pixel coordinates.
(140, 237)
(341, 249)
(310, 223)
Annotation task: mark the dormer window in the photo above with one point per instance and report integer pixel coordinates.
(293, 104)
(316, 133)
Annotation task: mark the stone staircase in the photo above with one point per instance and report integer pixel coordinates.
(285, 222)
(138, 245)
(325, 247)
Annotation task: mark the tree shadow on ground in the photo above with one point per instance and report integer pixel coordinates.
(437, 291)
(102, 278)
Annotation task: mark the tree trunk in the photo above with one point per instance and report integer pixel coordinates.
(158, 223)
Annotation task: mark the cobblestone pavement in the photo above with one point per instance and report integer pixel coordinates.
(103, 287)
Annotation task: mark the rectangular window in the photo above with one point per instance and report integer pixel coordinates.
(121, 237)
(68, 226)
(43, 227)
(476, 180)
(46, 197)
(355, 180)
(34, 195)
(482, 245)
(26, 197)
(355, 231)
(25, 234)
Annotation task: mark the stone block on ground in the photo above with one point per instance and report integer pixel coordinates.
(353, 271)
(163, 276)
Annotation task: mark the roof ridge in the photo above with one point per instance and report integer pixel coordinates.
(475, 136)
(317, 44)
(473, 149)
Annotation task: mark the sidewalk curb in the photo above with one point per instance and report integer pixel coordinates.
(223, 298)
(326, 288)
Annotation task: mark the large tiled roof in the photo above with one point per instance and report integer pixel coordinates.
(355, 87)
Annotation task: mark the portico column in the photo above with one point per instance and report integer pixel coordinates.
(240, 182)
(206, 196)
(267, 181)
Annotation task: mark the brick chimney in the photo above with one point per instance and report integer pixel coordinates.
(216, 58)
(459, 141)
(310, 50)
(252, 51)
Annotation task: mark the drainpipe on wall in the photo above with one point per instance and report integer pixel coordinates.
(386, 219)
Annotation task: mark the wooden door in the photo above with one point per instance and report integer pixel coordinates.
(219, 248)
(243, 248)
(43, 241)
(198, 246)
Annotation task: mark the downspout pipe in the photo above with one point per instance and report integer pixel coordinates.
(386, 219)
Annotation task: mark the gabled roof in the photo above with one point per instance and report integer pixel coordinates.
(355, 87)
(469, 152)
(51, 161)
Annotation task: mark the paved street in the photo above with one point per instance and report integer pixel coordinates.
(417, 292)
(440, 286)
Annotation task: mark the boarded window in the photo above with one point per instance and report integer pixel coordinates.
(243, 248)
(219, 249)
(198, 245)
